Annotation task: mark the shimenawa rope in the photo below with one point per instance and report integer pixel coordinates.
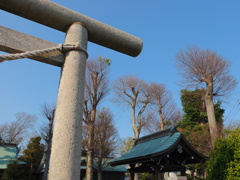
(44, 52)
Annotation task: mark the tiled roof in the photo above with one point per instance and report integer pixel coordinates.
(155, 145)
(120, 168)
(7, 152)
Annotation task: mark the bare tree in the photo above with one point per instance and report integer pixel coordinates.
(205, 69)
(163, 107)
(96, 88)
(134, 92)
(171, 117)
(106, 139)
(16, 131)
(48, 111)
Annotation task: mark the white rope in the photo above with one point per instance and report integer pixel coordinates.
(44, 52)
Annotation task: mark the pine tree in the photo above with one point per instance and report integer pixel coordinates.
(33, 155)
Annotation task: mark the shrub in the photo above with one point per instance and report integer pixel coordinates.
(224, 162)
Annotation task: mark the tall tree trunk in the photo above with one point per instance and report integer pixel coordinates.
(157, 175)
(90, 153)
(49, 145)
(132, 176)
(160, 113)
(31, 171)
(89, 169)
(134, 126)
(212, 120)
(99, 168)
(139, 118)
(211, 113)
(161, 119)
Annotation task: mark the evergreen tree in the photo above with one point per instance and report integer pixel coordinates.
(194, 124)
(194, 108)
(33, 155)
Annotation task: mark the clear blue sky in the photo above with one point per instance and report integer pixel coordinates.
(165, 27)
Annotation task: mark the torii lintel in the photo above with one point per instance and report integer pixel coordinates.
(61, 18)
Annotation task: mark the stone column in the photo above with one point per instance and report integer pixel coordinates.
(66, 143)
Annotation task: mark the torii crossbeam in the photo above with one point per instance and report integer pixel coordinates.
(66, 143)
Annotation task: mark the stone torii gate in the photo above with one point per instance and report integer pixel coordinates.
(66, 142)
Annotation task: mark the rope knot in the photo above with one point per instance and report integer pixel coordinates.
(67, 47)
(49, 52)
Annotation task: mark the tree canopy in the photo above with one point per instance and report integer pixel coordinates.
(224, 160)
(96, 88)
(133, 92)
(194, 108)
(16, 131)
(151, 104)
(205, 69)
(105, 140)
(194, 124)
(33, 155)
(164, 110)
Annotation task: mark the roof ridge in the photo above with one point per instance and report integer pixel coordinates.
(8, 144)
(155, 135)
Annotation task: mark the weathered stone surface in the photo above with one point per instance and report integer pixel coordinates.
(12, 41)
(66, 143)
(58, 17)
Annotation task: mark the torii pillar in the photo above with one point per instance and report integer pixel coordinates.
(66, 144)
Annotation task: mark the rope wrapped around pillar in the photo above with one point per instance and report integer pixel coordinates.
(54, 51)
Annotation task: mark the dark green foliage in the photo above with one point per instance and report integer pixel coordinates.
(34, 152)
(219, 112)
(15, 171)
(195, 109)
(33, 155)
(194, 125)
(219, 159)
(224, 162)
